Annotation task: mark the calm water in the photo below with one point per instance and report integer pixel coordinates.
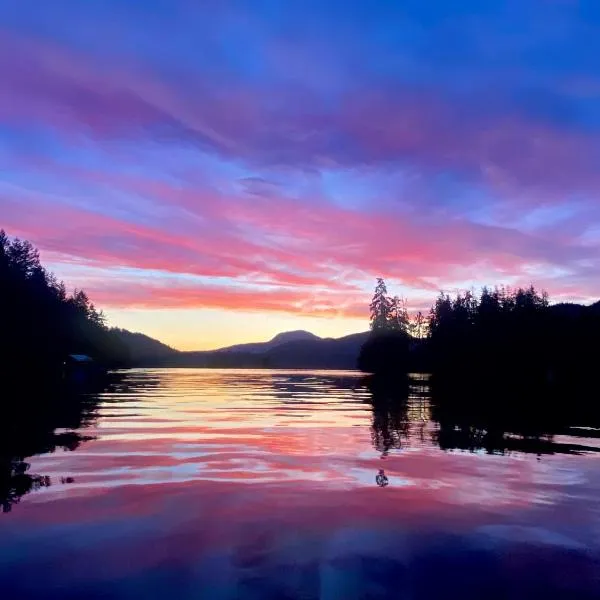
(258, 484)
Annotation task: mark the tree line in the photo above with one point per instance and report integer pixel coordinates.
(41, 321)
(390, 314)
(497, 332)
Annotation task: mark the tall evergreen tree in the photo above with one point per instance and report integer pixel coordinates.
(386, 350)
(381, 308)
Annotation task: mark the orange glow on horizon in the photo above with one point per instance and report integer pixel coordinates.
(191, 329)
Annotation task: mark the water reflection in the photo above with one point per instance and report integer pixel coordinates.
(401, 413)
(40, 421)
(410, 414)
(257, 426)
(261, 484)
(381, 480)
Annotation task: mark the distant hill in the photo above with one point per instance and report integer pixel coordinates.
(278, 340)
(289, 350)
(571, 310)
(144, 350)
(317, 353)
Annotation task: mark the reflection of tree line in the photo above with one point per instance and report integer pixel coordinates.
(400, 413)
(405, 413)
(410, 413)
(29, 427)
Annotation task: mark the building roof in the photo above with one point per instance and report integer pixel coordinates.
(80, 358)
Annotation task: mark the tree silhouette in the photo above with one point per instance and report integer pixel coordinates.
(381, 308)
(387, 347)
(40, 322)
(499, 329)
(418, 326)
(502, 337)
(398, 319)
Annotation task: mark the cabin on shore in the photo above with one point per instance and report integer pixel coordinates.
(80, 368)
(79, 359)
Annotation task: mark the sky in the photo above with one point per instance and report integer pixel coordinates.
(218, 171)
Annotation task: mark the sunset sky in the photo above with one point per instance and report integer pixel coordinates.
(217, 171)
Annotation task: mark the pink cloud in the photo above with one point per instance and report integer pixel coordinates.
(300, 300)
(317, 257)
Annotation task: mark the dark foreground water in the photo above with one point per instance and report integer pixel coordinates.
(182, 484)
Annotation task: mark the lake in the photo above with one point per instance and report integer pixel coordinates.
(216, 484)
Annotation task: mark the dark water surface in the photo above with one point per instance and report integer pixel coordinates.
(182, 484)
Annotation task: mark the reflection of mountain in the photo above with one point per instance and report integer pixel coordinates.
(30, 428)
(413, 415)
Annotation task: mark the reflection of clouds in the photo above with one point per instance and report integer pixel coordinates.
(563, 475)
(194, 425)
(532, 535)
(217, 474)
(230, 533)
(212, 485)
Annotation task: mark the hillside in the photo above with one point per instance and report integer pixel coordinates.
(341, 353)
(289, 350)
(572, 309)
(292, 350)
(278, 340)
(144, 350)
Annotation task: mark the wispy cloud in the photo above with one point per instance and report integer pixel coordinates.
(292, 158)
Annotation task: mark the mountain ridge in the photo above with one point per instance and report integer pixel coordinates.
(281, 338)
(289, 349)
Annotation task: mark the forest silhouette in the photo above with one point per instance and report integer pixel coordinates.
(506, 349)
(42, 323)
